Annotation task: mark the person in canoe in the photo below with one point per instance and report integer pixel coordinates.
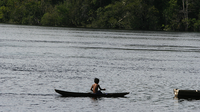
(96, 86)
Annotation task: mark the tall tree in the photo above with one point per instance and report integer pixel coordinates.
(185, 13)
(172, 16)
(143, 15)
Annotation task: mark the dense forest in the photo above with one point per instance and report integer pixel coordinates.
(168, 15)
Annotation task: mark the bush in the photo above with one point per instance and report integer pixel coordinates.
(197, 25)
(49, 19)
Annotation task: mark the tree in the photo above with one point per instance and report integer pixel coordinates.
(143, 16)
(27, 13)
(197, 23)
(185, 13)
(172, 16)
(2, 12)
(175, 15)
(58, 16)
(111, 16)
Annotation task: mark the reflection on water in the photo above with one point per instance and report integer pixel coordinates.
(36, 60)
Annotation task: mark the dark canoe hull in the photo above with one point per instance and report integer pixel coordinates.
(194, 94)
(79, 94)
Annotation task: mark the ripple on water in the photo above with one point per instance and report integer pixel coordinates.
(36, 60)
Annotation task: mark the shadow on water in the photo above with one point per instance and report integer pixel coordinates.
(101, 98)
(95, 98)
(181, 99)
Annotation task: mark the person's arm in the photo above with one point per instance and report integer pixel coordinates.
(101, 88)
(91, 88)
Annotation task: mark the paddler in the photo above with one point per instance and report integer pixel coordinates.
(95, 87)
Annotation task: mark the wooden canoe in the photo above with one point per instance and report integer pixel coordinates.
(194, 94)
(81, 94)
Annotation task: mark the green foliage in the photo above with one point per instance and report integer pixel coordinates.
(4, 14)
(123, 14)
(171, 15)
(3, 2)
(143, 16)
(63, 15)
(27, 13)
(49, 19)
(57, 17)
(197, 25)
(2, 11)
(111, 16)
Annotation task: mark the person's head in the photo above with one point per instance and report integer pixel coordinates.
(96, 80)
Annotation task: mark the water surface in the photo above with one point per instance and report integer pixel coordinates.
(35, 60)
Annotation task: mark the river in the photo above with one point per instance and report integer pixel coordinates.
(35, 60)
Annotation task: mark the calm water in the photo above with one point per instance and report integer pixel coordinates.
(35, 60)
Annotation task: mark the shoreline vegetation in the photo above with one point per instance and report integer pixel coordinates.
(157, 15)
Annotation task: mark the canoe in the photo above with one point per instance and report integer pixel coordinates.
(81, 94)
(194, 94)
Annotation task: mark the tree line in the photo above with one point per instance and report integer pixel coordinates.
(169, 15)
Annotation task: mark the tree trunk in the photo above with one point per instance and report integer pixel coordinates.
(185, 12)
(186, 15)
